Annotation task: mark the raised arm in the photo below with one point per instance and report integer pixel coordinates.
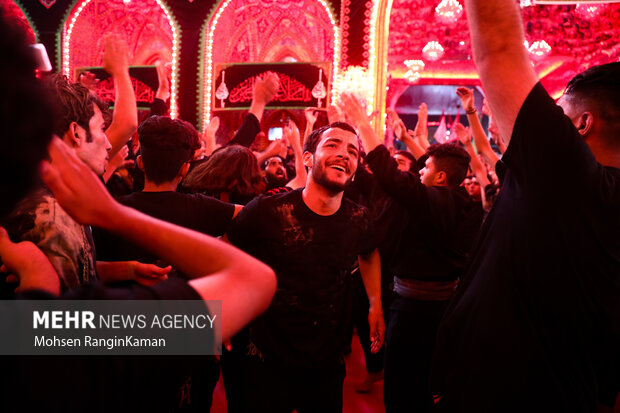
(480, 138)
(398, 126)
(311, 115)
(125, 116)
(503, 64)
(264, 90)
(221, 272)
(464, 136)
(421, 127)
(291, 133)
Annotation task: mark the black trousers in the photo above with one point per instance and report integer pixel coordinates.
(408, 354)
(278, 389)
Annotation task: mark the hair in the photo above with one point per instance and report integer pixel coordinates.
(232, 169)
(312, 141)
(598, 89)
(26, 115)
(165, 145)
(264, 164)
(452, 159)
(74, 104)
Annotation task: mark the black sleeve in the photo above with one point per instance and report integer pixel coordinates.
(244, 229)
(158, 108)
(247, 132)
(402, 186)
(369, 238)
(546, 154)
(217, 215)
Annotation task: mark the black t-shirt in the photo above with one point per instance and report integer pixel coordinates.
(109, 383)
(194, 211)
(312, 256)
(441, 227)
(535, 323)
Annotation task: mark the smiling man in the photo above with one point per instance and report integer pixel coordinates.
(312, 238)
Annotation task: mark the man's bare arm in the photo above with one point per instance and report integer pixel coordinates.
(370, 269)
(503, 63)
(220, 271)
(125, 115)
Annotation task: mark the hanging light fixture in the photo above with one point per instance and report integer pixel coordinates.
(433, 51)
(415, 68)
(448, 11)
(589, 11)
(539, 50)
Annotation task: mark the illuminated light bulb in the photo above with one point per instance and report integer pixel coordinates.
(448, 11)
(433, 51)
(539, 50)
(589, 11)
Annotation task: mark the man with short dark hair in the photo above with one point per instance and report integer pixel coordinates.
(166, 149)
(535, 324)
(38, 218)
(312, 237)
(428, 260)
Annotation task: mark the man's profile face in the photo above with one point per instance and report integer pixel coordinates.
(427, 174)
(95, 153)
(335, 159)
(403, 162)
(274, 170)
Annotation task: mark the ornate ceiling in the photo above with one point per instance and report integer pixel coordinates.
(576, 41)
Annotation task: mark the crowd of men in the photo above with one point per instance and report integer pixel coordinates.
(488, 284)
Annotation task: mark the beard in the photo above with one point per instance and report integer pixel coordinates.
(320, 177)
(274, 181)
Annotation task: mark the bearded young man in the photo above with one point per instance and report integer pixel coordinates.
(312, 238)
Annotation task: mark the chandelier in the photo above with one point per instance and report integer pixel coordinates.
(448, 11)
(414, 68)
(589, 11)
(357, 81)
(539, 50)
(432, 51)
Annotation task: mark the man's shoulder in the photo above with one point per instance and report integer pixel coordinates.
(39, 215)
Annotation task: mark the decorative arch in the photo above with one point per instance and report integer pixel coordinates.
(259, 30)
(377, 59)
(16, 12)
(150, 35)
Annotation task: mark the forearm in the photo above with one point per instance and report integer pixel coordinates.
(370, 140)
(115, 271)
(480, 139)
(125, 115)
(502, 61)
(414, 147)
(370, 269)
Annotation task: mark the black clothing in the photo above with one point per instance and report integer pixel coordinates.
(198, 212)
(109, 383)
(536, 320)
(246, 134)
(312, 256)
(441, 227)
(439, 230)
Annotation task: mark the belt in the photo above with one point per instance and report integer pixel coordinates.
(425, 290)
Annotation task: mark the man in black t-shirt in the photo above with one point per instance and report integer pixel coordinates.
(166, 149)
(312, 238)
(535, 324)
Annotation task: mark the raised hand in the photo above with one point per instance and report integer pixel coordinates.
(312, 115)
(266, 88)
(115, 59)
(463, 133)
(467, 98)
(334, 114)
(89, 80)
